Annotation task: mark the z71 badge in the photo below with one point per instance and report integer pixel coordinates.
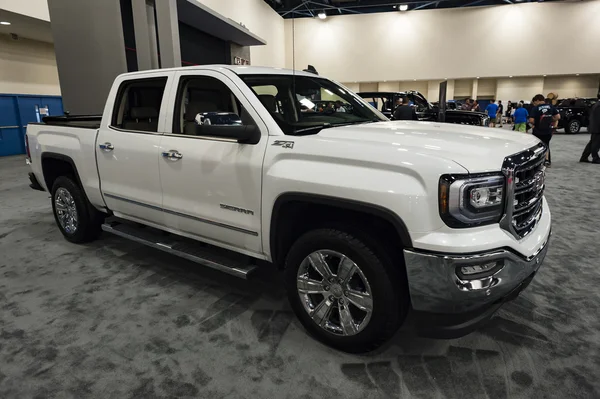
(284, 144)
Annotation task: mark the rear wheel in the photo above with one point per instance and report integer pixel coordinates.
(573, 126)
(345, 292)
(77, 220)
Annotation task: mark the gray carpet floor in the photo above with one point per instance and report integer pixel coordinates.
(113, 319)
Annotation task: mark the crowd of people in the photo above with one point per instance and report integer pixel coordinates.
(539, 116)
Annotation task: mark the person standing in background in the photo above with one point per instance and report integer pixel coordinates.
(492, 111)
(509, 109)
(542, 117)
(593, 146)
(405, 112)
(500, 113)
(520, 118)
(466, 105)
(474, 105)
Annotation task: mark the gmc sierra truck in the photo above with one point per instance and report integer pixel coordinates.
(236, 167)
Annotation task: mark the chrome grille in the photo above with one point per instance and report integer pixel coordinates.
(525, 174)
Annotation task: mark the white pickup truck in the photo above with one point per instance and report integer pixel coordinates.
(234, 166)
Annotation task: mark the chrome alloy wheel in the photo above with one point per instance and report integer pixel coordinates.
(335, 292)
(66, 211)
(574, 126)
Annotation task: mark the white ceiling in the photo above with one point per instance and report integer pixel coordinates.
(26, 27)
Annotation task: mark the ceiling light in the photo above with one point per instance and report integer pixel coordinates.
(415, 80)
(577, 74)
(4, 23)
(445, 78)
(403, 7)
(545, 75)
(510, 76)
(477, 77)
(322, 15)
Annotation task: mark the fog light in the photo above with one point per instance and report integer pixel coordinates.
(478, 270)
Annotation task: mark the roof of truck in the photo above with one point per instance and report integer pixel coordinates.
(238, 69)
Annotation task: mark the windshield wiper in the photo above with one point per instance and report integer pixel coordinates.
(309, 129)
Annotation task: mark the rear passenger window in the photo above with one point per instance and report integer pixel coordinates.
(207, 101)
(138, 104)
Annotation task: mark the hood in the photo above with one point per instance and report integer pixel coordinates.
(477, 149)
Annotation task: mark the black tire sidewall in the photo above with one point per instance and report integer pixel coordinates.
(388, 309)
(86, 228)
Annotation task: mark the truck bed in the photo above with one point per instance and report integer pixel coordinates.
(82, 121)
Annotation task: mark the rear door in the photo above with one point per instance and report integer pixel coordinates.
(127, 148)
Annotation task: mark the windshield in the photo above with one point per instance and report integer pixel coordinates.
(304, 105)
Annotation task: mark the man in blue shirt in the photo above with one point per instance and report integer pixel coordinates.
(520, 116)
(492, 111)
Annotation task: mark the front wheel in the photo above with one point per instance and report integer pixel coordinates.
(77, 220)
(573, 126)
(344, 292)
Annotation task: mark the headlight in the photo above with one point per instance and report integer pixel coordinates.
(467, 200)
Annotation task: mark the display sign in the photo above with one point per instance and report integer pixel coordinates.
(240, 61)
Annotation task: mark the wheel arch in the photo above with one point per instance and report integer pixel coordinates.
(280, 236)
(66, 166)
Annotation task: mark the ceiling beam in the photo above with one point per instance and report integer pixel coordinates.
(426, 5)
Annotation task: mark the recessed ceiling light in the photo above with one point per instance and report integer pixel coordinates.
(545, 75)
(4, 23)
(415, 80)
(477, 77)
(403, 7)
(510, 76)
(577, 74)
(322, 15)
(445, 78)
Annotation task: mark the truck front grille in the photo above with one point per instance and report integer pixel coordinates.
(525, 173)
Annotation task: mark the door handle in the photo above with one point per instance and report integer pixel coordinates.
(106, 147)
(172, 155)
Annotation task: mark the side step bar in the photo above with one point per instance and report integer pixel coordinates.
(217, 258)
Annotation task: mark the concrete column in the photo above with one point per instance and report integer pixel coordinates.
(168, 33)
(90, 51)
(475, 87)
(142, 34)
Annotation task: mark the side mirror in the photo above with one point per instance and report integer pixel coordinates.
(226, 125)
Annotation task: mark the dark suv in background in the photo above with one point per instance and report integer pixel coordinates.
(385, 102)
(574, 113)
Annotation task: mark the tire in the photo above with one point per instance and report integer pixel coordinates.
(85, 227)
(386, 284)
(573, 126)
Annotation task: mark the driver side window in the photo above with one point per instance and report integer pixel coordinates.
(204, 100)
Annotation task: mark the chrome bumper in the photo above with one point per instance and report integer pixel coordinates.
(436, 287)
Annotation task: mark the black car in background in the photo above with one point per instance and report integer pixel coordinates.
(385, 102)
(574, 113)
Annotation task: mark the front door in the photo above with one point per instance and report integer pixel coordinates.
(127, 150)
(212, 186)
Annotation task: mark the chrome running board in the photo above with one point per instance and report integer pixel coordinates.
(207, 255)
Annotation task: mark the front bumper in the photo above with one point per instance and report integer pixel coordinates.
(456, 305)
